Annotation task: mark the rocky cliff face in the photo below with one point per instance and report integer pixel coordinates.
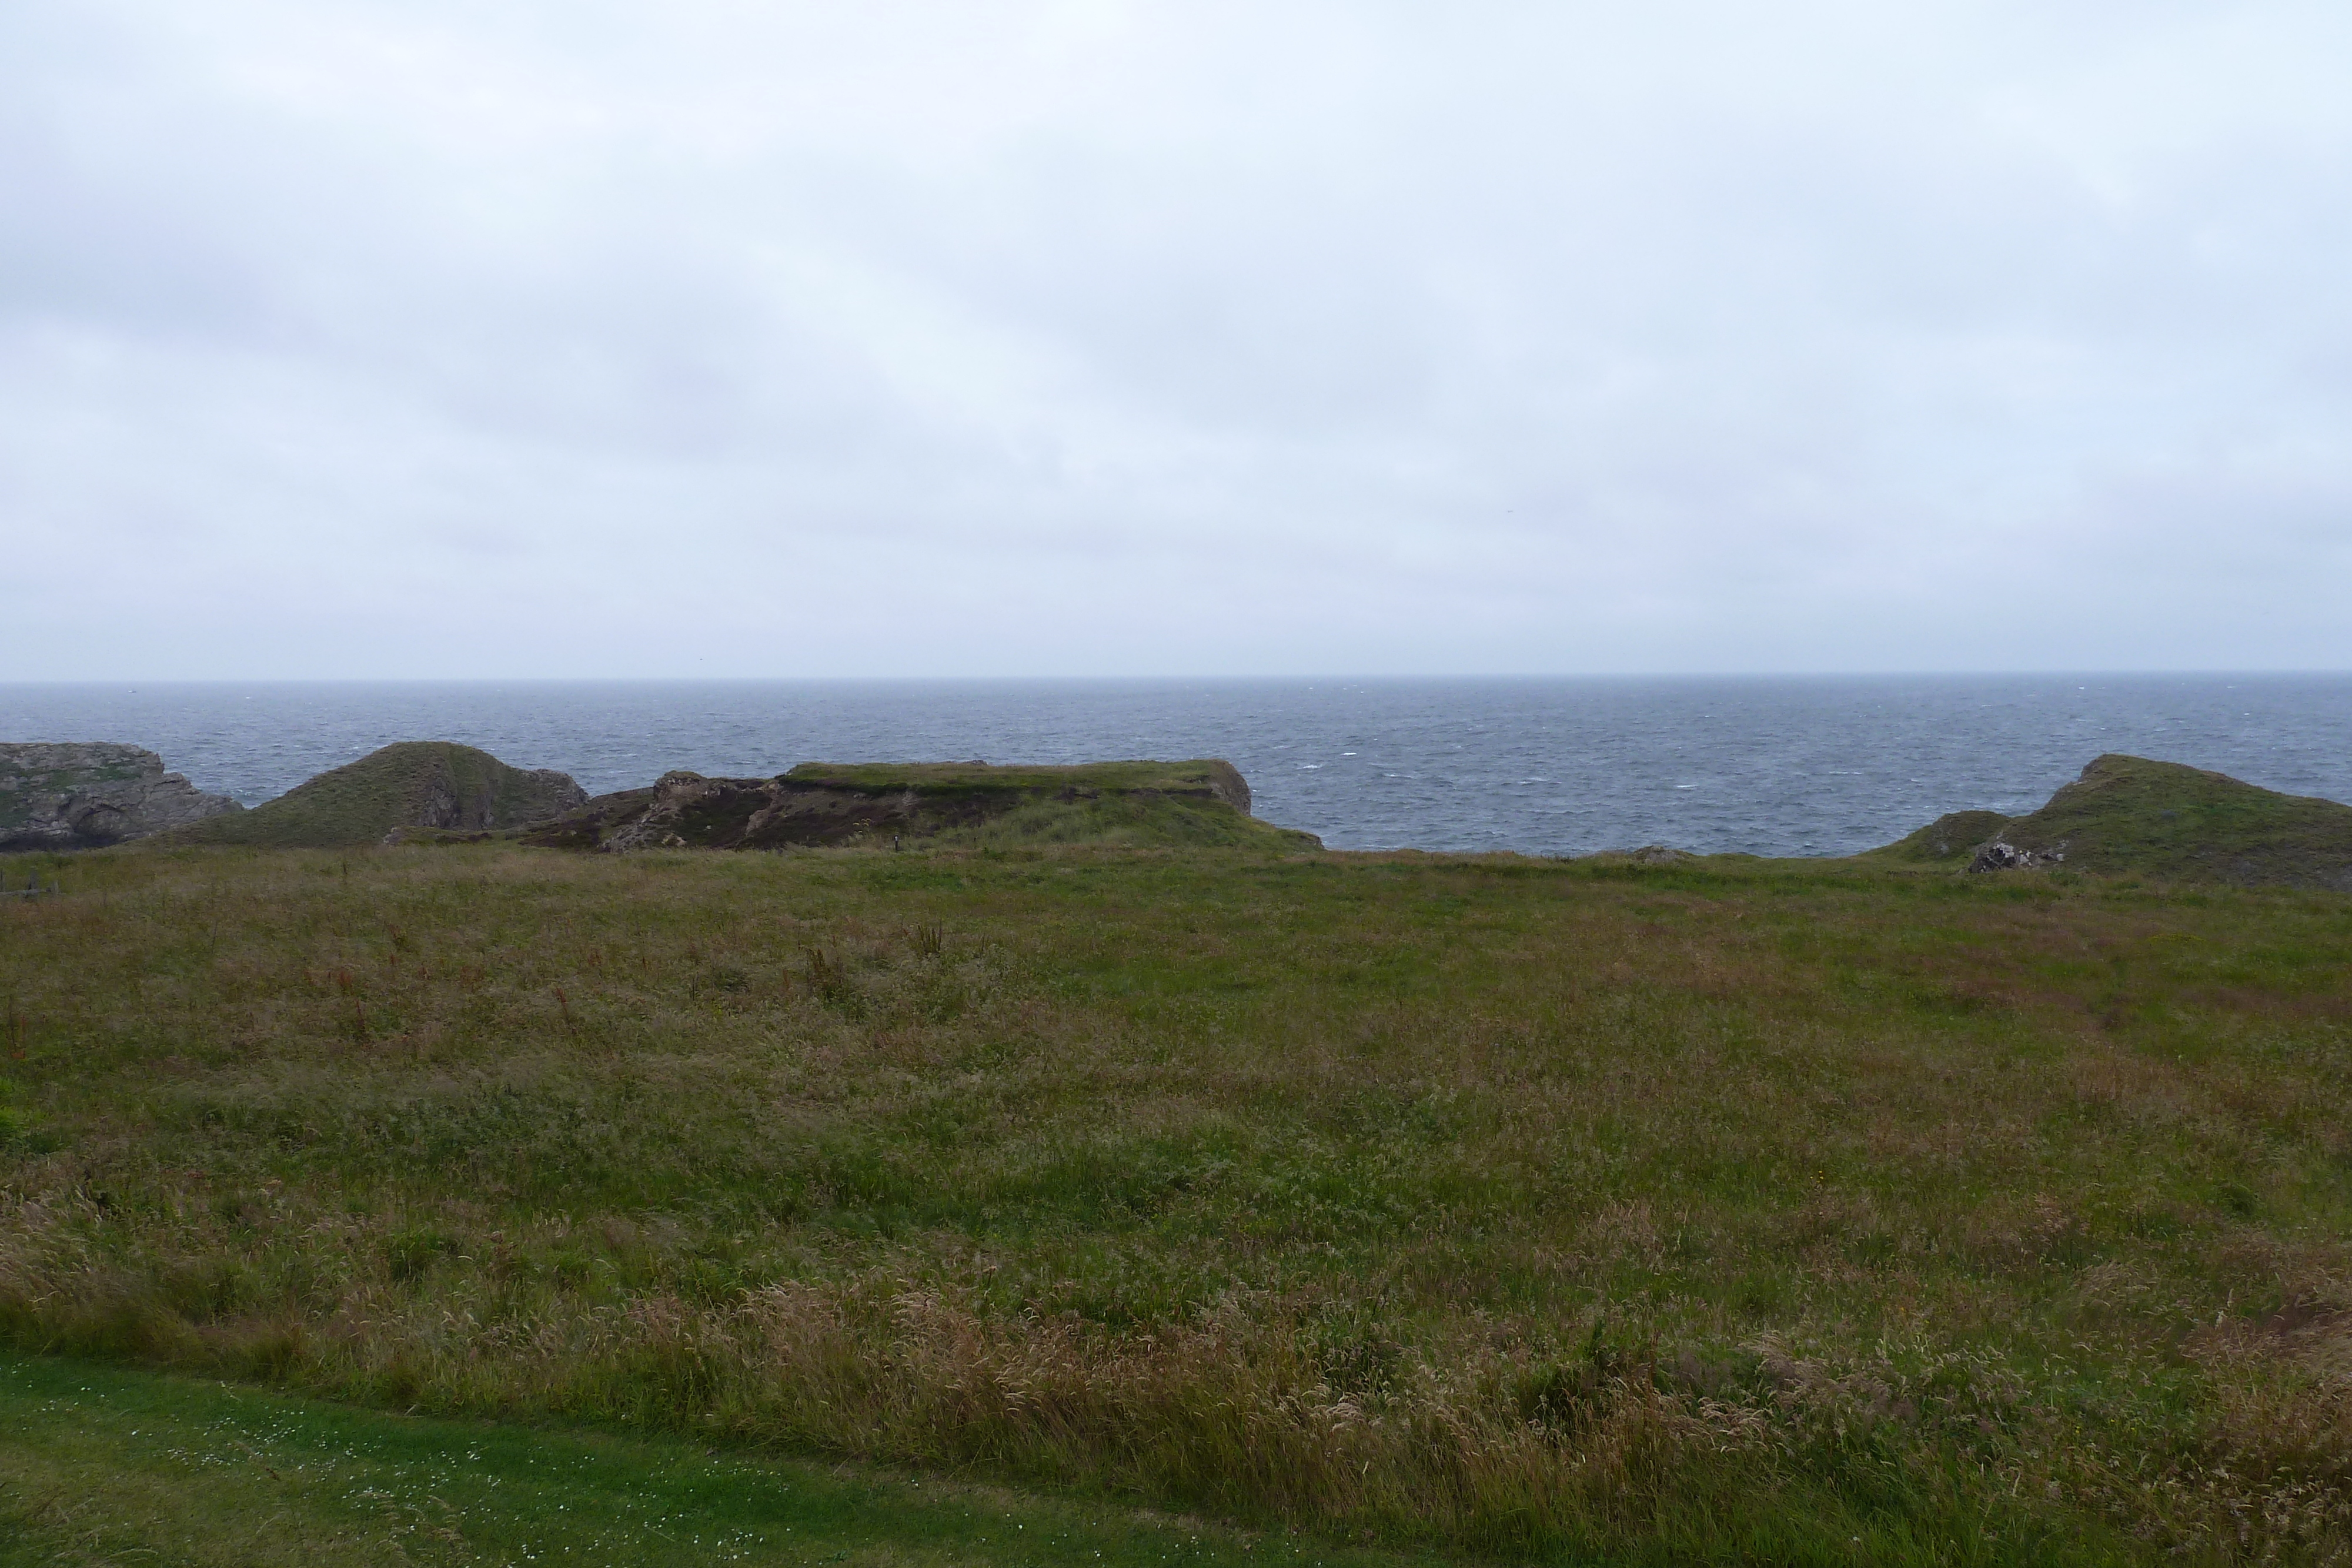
(63, 795)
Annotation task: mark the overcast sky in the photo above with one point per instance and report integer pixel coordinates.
(431, 339)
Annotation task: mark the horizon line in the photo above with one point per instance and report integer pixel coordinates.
(2054, 672)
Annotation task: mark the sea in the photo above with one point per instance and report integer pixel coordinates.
(1768, 766)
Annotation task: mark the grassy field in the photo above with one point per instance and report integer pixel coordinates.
(1715, 1211)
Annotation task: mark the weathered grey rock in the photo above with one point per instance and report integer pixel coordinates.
(69, 795)
(2002, 855)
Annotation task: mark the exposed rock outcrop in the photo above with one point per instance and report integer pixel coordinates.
(71, 795)
(2002, 855)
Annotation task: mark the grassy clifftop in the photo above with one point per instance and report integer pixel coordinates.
(2132, 815)
(1201, 803)
(410, 784)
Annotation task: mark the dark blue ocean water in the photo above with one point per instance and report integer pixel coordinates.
(1822, 766)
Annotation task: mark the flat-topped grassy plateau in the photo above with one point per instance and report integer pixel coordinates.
(1723, 1209)
(1198, 804)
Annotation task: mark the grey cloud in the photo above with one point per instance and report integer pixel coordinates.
(368, 339)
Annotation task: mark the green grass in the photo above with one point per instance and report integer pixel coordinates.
(409, 783)
(1714, 1211)
(102, 1466)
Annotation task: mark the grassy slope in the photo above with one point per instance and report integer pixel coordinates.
(2132, 816)
(2127, 814)
(1723, 1211)
(1955, 836)
(360, 801)
(102, 1465)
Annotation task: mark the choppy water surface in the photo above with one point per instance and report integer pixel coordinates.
(1545, 767)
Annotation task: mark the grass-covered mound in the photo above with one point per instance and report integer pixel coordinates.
(2132, 816)
(1202, 803)
(410, 784)
(1708, 1211)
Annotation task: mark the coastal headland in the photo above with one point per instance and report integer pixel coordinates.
(1934, 1205)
